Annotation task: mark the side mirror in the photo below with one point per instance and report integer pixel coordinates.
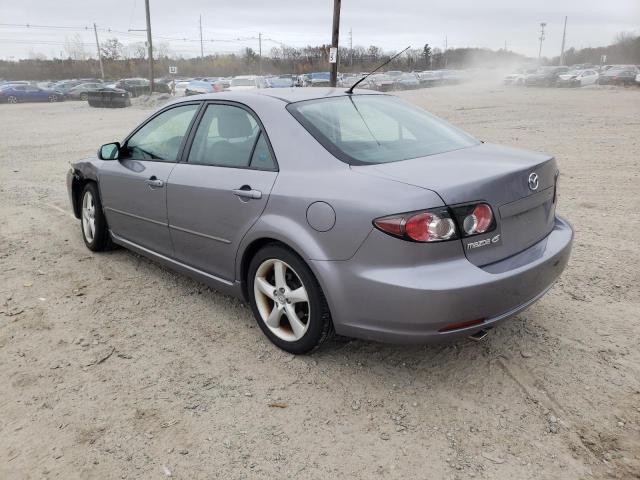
(109, 151)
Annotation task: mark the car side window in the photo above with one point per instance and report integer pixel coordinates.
(225, 137)
(160, 138)
(261, 158)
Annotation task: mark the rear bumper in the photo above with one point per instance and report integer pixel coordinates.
(411, 303)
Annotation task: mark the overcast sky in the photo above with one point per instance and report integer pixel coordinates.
(233, 24)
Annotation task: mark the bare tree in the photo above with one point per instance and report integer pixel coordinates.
(74, 47)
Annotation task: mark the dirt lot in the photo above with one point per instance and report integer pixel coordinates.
(114, 367)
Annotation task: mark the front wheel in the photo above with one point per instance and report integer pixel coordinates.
(287, 300)
(94, 224)
(53, 98)
(84, 97)
(12, 99)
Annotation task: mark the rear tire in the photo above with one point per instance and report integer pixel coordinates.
(287, 300)
(93, 223)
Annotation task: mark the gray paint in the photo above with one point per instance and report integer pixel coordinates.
(377, 286)
(321, 216)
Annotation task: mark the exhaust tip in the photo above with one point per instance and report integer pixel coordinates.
(479, 335)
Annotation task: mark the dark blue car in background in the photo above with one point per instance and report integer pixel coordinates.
(28, 93)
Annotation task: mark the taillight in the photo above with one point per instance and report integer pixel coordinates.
(435, 225)
(474, 219)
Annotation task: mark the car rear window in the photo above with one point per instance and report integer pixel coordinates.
(372, 129)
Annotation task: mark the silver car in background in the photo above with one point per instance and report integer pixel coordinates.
(329, 211)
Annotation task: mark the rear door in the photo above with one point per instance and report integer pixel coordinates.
(133, 188)
(221, 189)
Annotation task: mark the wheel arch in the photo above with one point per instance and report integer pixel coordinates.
(81, 176)
(250, 250)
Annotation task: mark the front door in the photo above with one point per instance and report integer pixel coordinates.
(221, 190)
(134, 188)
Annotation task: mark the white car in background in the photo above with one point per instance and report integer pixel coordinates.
(638, 79)
(180, 87)
(578, 78)
(245, 82)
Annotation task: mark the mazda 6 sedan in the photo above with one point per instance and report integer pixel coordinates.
(328, 212)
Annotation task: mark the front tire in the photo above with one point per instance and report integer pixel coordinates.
(287, 301)
(12, 99)
(95, 232)
(84, 97)
(53, 98)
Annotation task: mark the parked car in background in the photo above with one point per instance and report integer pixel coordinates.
(20, 93)
(453, 76)
(64, 86)
(198, 87)
(428, 78)
(15, 82)
(545, 77)
(638, 79)
(348, 79)
(382, 82)
(109, 97)
(318, 79)
(577, 78)
(81, 92)
(407, 81)
(180, 87)
(619, 75)
(135, 86)
(518, 78)
(360, 214)
(245, 82)
(279, 82)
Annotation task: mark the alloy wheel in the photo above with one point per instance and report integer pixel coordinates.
(282, 300)
(12, 99)
(53, 98)
(88, 217)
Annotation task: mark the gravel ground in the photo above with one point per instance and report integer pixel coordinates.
(114, 367)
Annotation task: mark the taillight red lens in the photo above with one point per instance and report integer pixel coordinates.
(425, 226)
(479, 220)
(391, 225)
(417, 227)
(484, 215)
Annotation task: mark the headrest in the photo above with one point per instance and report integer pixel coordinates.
(233, 122)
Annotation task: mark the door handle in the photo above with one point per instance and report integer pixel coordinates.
(154, 182)
(246, 192)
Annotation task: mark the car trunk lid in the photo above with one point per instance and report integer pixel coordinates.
(493, 174)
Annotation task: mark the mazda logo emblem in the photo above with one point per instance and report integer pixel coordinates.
(533, 181)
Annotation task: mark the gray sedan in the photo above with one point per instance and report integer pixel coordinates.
(328, 212)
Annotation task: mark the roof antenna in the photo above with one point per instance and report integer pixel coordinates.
(350, 89)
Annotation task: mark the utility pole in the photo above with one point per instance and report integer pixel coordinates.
(541, 38)
(201, 43)
(260, 53)
(146, 6)
(95, 30)
(446, 45)
(564, 37)
(334, 40)
(351, 47)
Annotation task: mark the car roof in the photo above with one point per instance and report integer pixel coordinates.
(287, 95)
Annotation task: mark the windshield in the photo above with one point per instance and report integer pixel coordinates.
(243, 82)
(371, 129)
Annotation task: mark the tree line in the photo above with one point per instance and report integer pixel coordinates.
(122, 61)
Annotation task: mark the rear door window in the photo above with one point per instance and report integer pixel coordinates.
(226, 137)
